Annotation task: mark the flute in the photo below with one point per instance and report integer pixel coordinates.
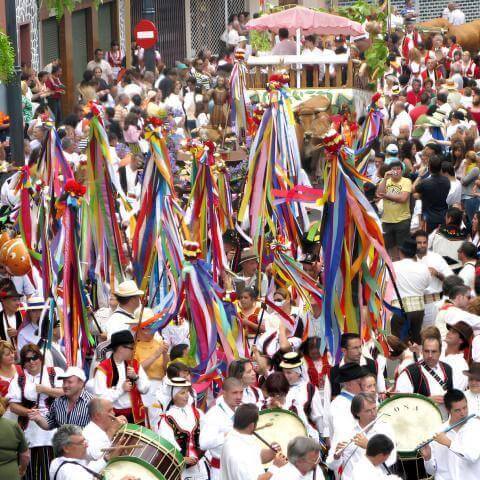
(364, 430)
(446, 429)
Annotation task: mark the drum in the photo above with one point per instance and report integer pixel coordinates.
(151, 458)
(414, 419)
(276, 425)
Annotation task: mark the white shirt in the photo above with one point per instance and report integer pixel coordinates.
(273, 344)
(476, 348)
(28, 334)
(404, 385)
(71, 471)
(97, 440)
(462, 459)
(241, 457)
(451, 315)
(413, 278)
(185, 419)
(365, 469)
(436, 261)
(118, 322)
(297, 397)
(253, 396)
(459, 365)
(403, 118)
(352, 455)
(119, 398)
(36, 436)
(457, 17)
(104, 65)
(290, 472)
(214, 425)
(340, 418)
(455, 192)
(473, 400)
(467, 274)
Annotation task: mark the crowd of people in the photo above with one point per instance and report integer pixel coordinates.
(59, 420)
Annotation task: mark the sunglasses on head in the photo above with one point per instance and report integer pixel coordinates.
(129, 347)
(32, 358)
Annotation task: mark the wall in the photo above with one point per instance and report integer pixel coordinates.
(27, 12)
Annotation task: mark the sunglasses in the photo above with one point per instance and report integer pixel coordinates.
(129, 347)
(33, 358)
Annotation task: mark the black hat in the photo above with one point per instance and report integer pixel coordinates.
(291, 360)
(409, 248)
(309, 258)
(351, 371)
(8, 290)
(123, 337)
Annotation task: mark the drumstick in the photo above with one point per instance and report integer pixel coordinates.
(265, 442)
(269, 424)
(122, 447)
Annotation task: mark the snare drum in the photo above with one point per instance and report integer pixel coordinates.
(414, 419)
(154, 459)
(276, 425)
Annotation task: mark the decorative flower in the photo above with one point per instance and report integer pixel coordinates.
(277, 81)
(74, 188)
(191, 250)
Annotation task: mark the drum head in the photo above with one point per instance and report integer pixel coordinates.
(279, 426)
(117, 468)
(414, 419)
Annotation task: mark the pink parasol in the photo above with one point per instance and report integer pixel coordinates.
(308, 21)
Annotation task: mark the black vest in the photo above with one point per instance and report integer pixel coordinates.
(420, 383)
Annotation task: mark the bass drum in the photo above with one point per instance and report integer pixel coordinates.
(414, 419)
(276, 425)
(143, 454)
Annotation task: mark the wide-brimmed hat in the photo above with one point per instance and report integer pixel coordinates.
(351, 371)
(248, 254)
(128, 289)
(463, 329)
(35, 303)
(291, 360)
(473, 371)
(391, 149)
(147, 316)
(177, 382)
(123, 337)
(9, 291)
(396, 90)
(309, 258)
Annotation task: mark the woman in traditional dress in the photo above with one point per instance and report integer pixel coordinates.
(180, 425)
(248, 313)
(31, 388)
(8, 369)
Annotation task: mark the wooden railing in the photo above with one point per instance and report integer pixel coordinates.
(337, 72)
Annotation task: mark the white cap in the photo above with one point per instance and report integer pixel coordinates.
(73, 372)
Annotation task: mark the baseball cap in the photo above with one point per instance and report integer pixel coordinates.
(73, 372)
(391, 149)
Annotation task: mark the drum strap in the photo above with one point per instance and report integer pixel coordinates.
(91, 472)
(439, 380)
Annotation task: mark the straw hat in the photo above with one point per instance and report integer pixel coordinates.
(248, 254)
(128, 289)
(35, 303)
(450, 84)
(179, 382)
(291, 360)
(147, 316)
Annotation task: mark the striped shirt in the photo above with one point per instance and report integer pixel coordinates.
(59, 414)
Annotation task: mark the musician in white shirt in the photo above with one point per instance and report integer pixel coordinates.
(369, 467)
(473, 393)
(303, 455)
(242, 457)
(344, 456)
(303, 395)
(218, 422)
(455, 454)
(457, 340)
(340, 418)
(242, 370)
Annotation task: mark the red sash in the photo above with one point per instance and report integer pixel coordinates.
(138, 409)
(315, 376)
